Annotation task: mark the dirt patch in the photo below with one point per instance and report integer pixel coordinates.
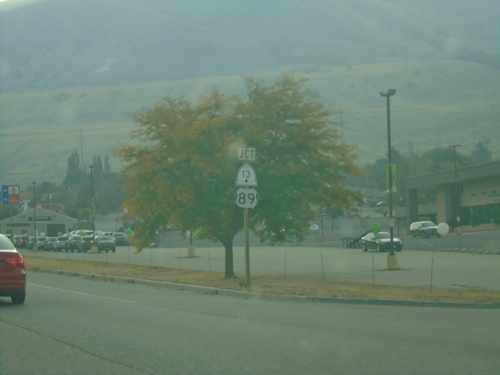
(261, 284)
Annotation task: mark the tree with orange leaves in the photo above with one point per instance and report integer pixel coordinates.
(183, 165)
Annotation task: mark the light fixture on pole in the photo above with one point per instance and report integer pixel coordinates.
(388, 95)
(35, 245)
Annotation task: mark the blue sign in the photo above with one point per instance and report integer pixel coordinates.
(11, 195)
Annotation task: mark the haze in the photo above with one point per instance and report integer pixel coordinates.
(71, 72)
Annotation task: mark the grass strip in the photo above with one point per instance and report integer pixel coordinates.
(266, 284)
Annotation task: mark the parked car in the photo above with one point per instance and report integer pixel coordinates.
(12, 272)
(86, 243)
(121, 238)
(380, 241)
(42, 243)
(20, 241)
(52, 244)
(105, 243)
(424, 229)
(30, 242)
(63, 242)
(75, 243)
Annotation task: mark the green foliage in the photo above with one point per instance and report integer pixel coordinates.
(182, 166)
(75, 191)
(480, 154)
(75, 177)
(302, 162)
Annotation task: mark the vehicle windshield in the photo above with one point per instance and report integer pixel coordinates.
(267, 155)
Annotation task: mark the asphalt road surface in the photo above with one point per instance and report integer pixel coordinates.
(73, 325)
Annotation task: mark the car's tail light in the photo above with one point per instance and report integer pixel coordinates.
(15, 260)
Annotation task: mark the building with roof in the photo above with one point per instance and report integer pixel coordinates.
(48, 223)
(467, 197)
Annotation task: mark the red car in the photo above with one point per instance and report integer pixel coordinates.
(12, 272)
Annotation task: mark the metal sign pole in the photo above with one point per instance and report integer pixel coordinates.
(247, 246)
(246, 197)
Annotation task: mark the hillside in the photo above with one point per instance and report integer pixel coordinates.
(71, 72)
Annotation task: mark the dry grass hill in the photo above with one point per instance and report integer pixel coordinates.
(71, 72)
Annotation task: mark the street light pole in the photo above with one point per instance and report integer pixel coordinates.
(35, 246)
(93, 248)
(457, 193)
(388, 95)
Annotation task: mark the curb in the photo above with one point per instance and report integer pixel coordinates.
(276, 297)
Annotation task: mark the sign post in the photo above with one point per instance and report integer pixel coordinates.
(246, 197)
(11, 196)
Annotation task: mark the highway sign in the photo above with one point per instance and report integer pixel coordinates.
(246, 198)
(246, 154)
(246, 176)
(11, 195)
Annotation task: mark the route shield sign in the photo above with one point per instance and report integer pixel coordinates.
(246, 176)
(246, 198)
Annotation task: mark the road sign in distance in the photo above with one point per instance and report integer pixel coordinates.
(246, 176)
(246, 154)
(11, 195)
(246, 198)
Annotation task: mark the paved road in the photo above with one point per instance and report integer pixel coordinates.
(447, 269)
(73, 325)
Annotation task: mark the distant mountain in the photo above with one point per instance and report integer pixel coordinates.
(79, 67)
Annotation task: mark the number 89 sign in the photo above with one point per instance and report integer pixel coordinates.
(246, 198)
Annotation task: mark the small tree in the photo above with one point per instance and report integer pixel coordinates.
(75, 177)
(480, 154)
(182, 169)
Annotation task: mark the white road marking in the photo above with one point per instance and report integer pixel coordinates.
(83, 294)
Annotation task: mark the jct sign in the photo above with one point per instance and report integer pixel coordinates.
(246, 154)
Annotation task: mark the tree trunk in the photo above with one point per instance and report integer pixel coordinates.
(229, 266)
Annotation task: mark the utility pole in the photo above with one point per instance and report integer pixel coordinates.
(392, 262)
(93, 248)
(457, 192)
(388, 95)
(35, 246)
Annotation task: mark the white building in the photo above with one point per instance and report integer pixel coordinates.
(48, 223)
